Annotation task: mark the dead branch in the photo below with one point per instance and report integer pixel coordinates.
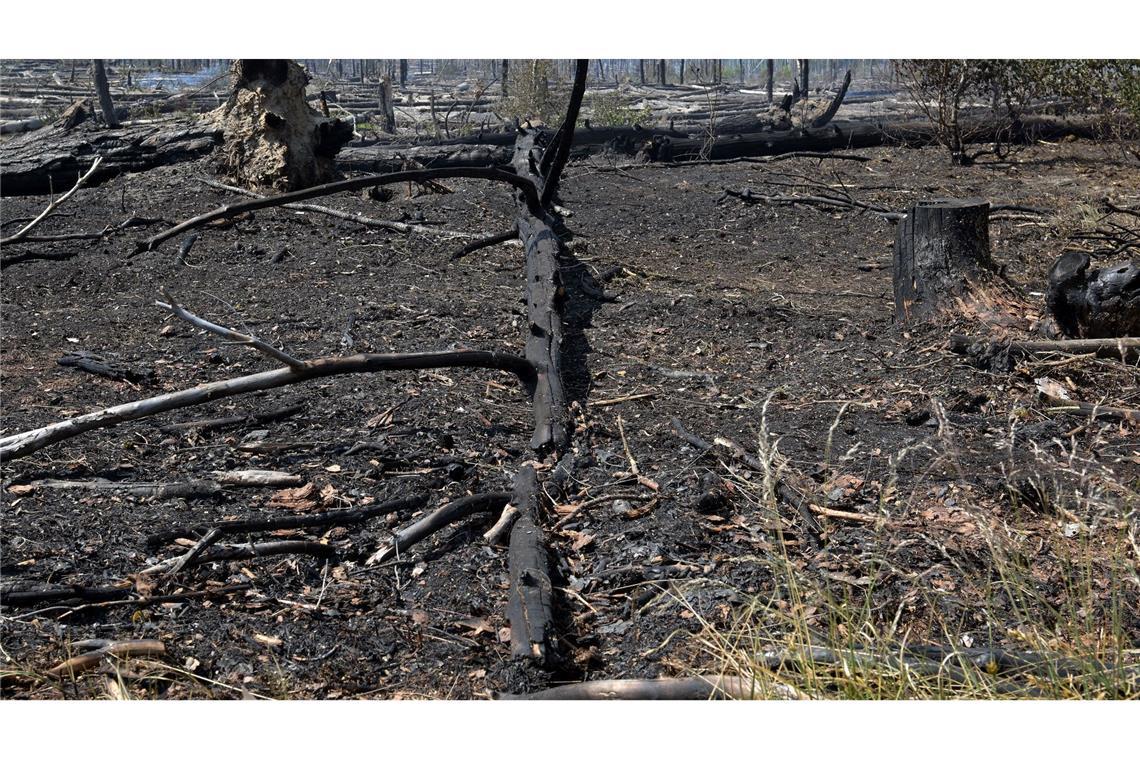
(346, 215)
(31, 598)
(28, 598)
(814, 200)
(737, 452)
(99, 365)
(439, 519)
(178, 563)
(22, 444)
(176, 309)
(221, 423)
(292, 522)
(1059, 401)
(833, 108)
(1123, 348)
(258, 478)
(52, 206)
(186, 490)
(268, 549)
(551, 169)
(525, 186)
(487, 242)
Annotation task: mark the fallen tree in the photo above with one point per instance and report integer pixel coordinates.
(36, 163)
(538, 164)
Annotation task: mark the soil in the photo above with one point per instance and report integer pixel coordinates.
(734, 319)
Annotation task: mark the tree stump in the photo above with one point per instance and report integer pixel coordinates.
(274, 141)
(942, 255)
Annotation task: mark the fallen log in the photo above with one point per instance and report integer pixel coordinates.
(529, 609)
(37, 162)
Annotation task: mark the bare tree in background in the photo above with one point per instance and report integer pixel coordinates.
(104, 92)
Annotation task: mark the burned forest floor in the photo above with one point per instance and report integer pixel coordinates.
(904, 494)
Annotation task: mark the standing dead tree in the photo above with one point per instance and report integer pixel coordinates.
(106, 105)
(535, 176)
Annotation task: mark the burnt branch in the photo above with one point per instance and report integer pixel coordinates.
(439, 519)
(23, 232)
(526, 187)
(22, 444)
(255, 343)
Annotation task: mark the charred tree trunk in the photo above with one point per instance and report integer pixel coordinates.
(387, 106)
(403, 73)
(1097, 303)
(661, 72)
(771, 78)
(106, 106)
(641, 70)
(681, 72)
(942, 253)
(506, 72)
(805, 69)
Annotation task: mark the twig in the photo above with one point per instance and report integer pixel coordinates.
(173, 566)
(52, 206)
(249, 340)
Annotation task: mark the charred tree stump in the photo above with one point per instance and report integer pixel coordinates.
(942, 252)
(273, 139)
(1096, 303)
